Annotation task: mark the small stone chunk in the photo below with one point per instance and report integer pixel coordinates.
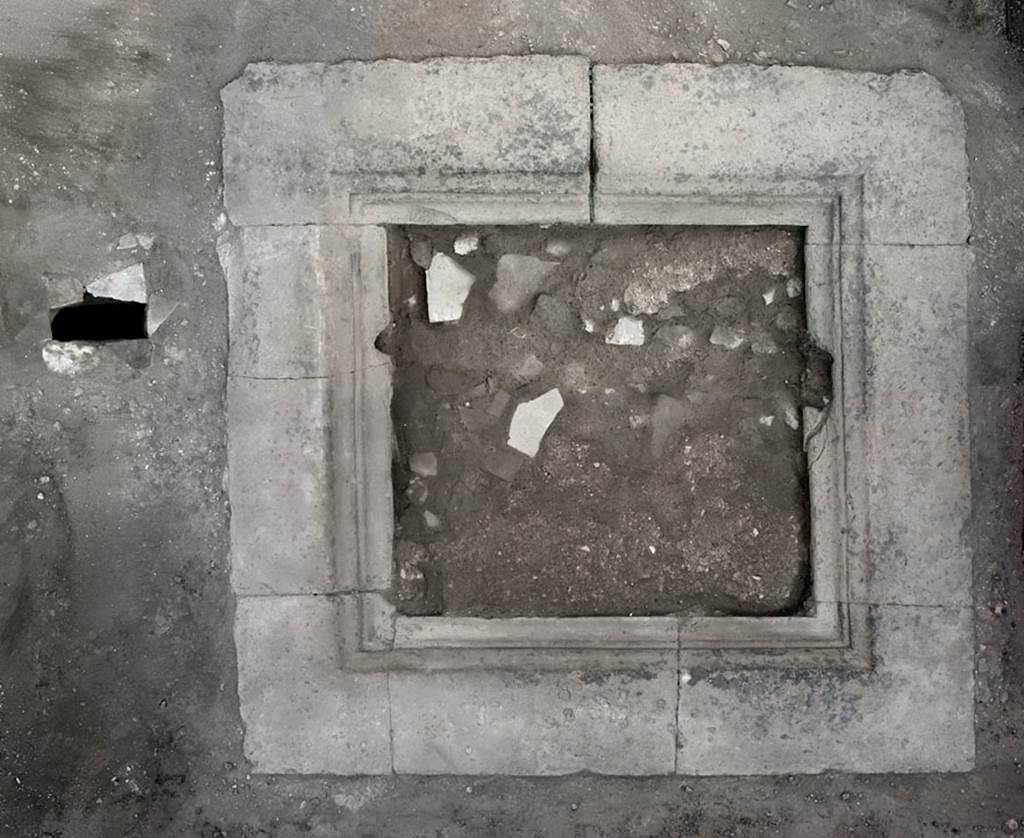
(519, 280)
(422, 252)
(628, 331)
(531, 421)
(128, 285)
(424, 464)
(130, 241)
(794, 288)
(448, 286)
(676, 336)
(157, 312)
(768, 296)
(432, 521)
(727, 338)
(466, 244)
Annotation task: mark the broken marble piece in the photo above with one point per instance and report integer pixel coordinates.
(448, 286)
(677, 336)
(519, 280)
(792, 417)
(466, 244)
(69, 358)
(128, 284)
(503, 463)
(531, 421)
(424, 464)
(553, 316)
(794, 288)
(767, 420)
(62, 290)
(627, 331)
(157, 312)
(528, 369)
(432, 521)
(421, 252)
(769, 296)
(727, 337)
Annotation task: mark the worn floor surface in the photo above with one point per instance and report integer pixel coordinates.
(118, 712)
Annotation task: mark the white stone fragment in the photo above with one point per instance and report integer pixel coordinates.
(768, 296)
(531, 421)
(448, 286)
(628, 331)
(128, 284)
(432, 521)
(466, 244)
(767, 421)
(792, 417)
(727, 338)
(794, 288)
(519, 280)
(69, 358)
(588, 325)
(424, 464)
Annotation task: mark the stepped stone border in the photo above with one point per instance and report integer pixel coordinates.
(319, 160)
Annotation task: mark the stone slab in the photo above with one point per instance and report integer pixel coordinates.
(917, 467)
(740, 130)
(484, 139)
(278, 485)
(277, 289)
(914, 712)
(304, 301)
(302, 713)
(533, 723)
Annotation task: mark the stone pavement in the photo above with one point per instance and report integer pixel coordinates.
(877, 676)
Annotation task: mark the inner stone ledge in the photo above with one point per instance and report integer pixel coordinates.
(600, 420)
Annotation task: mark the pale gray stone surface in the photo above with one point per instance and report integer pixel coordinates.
(742, 129)
(277, 289)
(278, 485)
(302, 713)
(314, 143)
(533, 723)
(915, 311)
(127, 284)
(913, 712)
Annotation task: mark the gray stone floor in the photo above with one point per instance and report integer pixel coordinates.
(119, 714)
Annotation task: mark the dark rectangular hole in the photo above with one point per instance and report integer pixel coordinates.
(100, 320)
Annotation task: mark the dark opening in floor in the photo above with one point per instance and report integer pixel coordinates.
(100, 320)
(601, 421)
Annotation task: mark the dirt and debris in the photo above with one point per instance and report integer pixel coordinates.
(582, 469)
